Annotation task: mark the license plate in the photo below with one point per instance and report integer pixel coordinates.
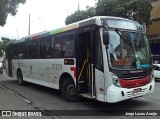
(137, 90)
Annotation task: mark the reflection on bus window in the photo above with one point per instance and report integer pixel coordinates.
(64, 45)
(46, 48)
(33, 49)
(129, 51)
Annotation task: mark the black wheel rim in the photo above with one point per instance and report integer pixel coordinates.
(71, 90)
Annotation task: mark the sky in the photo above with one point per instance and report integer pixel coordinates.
(44, 15)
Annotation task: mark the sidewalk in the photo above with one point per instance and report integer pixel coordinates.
(10, 101)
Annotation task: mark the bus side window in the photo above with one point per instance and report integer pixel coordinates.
(22, 50)
(33, 49)
(14, 52)
(46, 50)
(69, 49)
(64, 45)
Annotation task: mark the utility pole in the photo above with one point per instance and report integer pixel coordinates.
(29, 25)
(78, 5)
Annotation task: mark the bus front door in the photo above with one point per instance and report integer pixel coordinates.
(84, 66)
(90, 68)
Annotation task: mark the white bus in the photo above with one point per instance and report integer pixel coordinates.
(103, 58)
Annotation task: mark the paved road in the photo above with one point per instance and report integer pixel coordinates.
(50, 99)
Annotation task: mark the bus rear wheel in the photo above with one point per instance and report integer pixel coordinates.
(68, 91)
(20, 78)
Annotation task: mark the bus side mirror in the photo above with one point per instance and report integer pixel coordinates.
(105, 38)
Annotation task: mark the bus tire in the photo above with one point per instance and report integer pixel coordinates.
(68, 91)
(20, 78)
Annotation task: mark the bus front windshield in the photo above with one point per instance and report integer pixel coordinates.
(128, 49)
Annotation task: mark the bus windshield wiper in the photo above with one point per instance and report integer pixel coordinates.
(122, 36)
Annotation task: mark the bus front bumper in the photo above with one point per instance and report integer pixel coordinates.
(116, 94)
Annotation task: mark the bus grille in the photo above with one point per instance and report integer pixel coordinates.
(135, 82)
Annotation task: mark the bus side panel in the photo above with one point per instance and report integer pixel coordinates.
(50, 71)
(15, 67)
(30, 70)
(46, 70)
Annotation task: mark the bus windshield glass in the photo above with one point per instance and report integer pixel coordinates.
(128, 49)
(122, 24)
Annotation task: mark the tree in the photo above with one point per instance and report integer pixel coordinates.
(80, 15)
(76, 16)
(138, 10)
(141, 10)
(8, 7)
(3, 44)
(90, 12)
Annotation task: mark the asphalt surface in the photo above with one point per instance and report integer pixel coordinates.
(48, 99)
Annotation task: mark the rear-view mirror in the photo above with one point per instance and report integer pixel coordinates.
(105, 38)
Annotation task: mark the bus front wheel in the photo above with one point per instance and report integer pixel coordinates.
(20, 78)
(68, 91)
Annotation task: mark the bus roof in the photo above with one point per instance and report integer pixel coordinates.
(72, 26)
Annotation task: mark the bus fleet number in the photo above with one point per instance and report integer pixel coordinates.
(57, 66)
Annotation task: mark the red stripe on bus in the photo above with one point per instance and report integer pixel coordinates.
(135, 82)
(35, 37)
(74, 70)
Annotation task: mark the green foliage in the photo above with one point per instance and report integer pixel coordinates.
(138, 10)
(107, 8)
(80, 15)
(8, 7)
(3, 44)
(77, 16)
(141, 10)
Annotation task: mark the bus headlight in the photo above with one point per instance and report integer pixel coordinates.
(115, 80)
